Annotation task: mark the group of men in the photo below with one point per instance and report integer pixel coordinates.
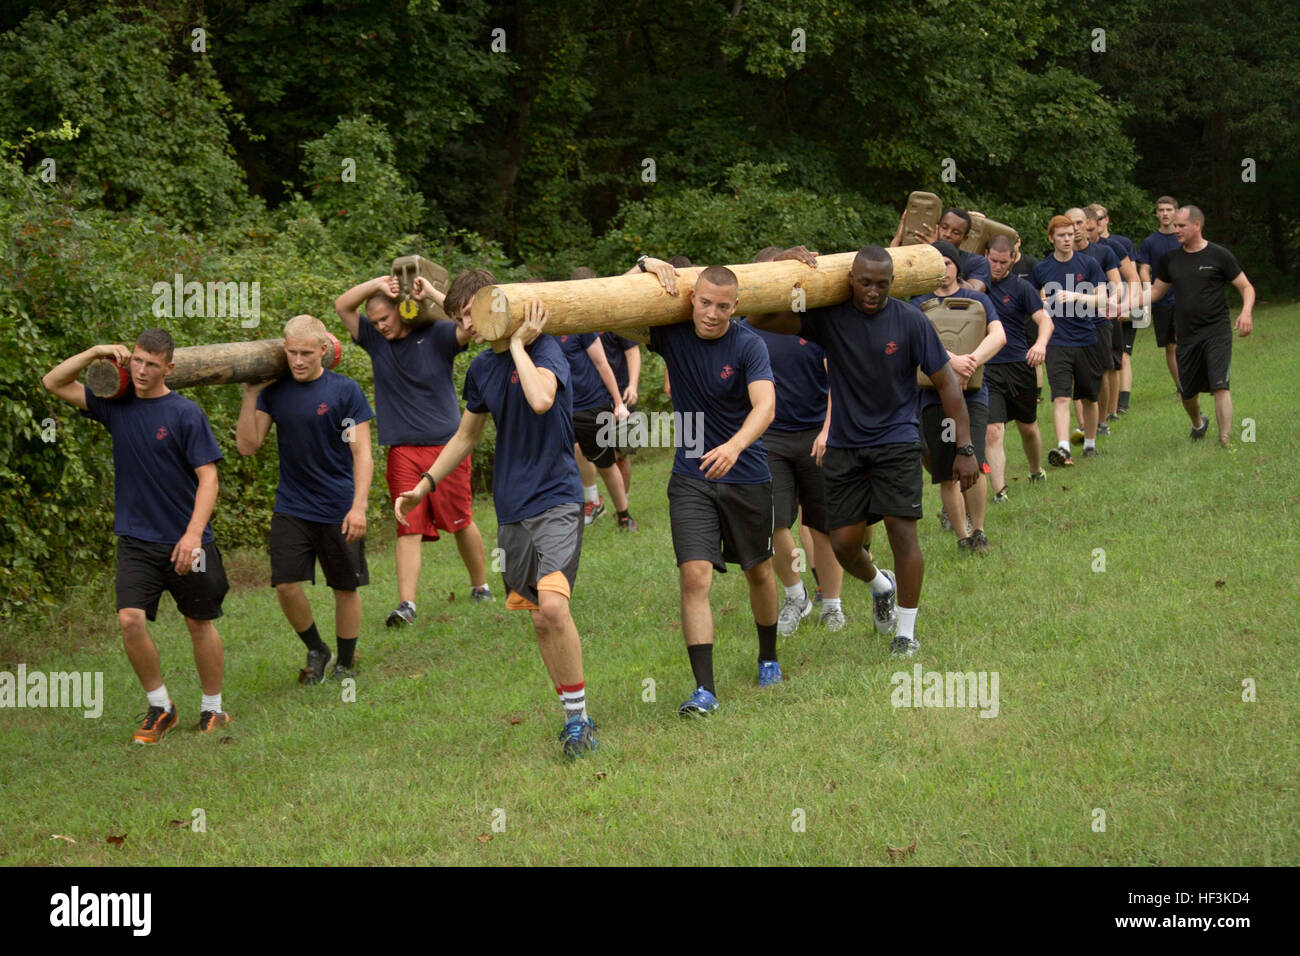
(812, 416)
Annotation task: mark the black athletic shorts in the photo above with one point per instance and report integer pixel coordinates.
(1130, 336)
(796, 479)
(587, 429)
(944, 453)
(1117, 345)
(1074, 371)
(1204, 366)
(145, 571)
(541, 553)
(719, 522)
(867, 484)
(1013, 393)
(1162, 320)
(625, 450)
(296, 544)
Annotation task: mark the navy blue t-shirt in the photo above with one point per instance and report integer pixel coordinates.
(616, 348)
(873, 361)
(1122, 245)
(586, 388)
(974, 266)
(157, 445)
(1107, 259)
(534, 468)
(799, 372)
(711, 380)
(415, 389)
(313, 428)
(976, 396)
(1016, 302)
(1152, 250)
(1072, 326)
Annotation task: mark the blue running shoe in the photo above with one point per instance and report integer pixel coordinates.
(699, 704)
(579, 736)
(886, 606)
(904, 647)
(769, 673)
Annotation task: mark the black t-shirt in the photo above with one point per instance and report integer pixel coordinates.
(1199, 278)
(1024, 265)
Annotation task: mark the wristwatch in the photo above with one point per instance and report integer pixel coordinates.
(641, 262)
(966, 449)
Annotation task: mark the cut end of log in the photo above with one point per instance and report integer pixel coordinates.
(108, 380)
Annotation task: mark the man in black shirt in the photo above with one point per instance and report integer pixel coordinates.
(1198, 272)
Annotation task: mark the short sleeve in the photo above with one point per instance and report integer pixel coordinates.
(756, 360)
(200, 444)
(930, 354)
(812, 325)
(588, 339)
(1231, 268)
(657, 333)
(1162, 268)
(366, 332)
(358, 407)
(550, 356)
(977, 267)
(96, 408)
(264, 398)
(470, 392)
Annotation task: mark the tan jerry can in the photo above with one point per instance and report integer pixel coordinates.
(922, 212)
(961, 325)
(982, 229)
(406, 268)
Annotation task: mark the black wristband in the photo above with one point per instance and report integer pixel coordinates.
(432, 484)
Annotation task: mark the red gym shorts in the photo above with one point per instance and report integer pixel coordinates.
(449, 508)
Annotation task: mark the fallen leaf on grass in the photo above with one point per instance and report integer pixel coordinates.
(483, 837)
(117, 840)
(515, 720)
(451, 596)
(600, 774)
(60, 836)
(897, 853)
(178, 824)
(1219, 584)
(227, 740)
(830, 787)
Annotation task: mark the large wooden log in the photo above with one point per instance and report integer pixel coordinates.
(637, 301)
(217, 364)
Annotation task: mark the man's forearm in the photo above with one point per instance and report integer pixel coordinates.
(530, 379)
(363, 471)
(205, 499)
(66, 372)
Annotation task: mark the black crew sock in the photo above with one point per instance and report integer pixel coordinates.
(702, 664)
(816, 580)
(1123, 400)
(347, 647)
(766, 642)
(311, 637)
(624, 515)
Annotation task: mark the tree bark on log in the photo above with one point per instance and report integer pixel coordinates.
(638, 301)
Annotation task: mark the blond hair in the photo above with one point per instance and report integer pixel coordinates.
(306, 327)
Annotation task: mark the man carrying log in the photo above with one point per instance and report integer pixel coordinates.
(720, 503)
(165, 485)
(537, 493)
(320, 503)
(416, 398)
(874, 345)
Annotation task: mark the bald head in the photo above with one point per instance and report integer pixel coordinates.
(1194, 214)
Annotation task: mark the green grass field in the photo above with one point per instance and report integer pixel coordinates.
(1120, 691)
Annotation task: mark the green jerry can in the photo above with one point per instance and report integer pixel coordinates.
(961, 325)
(982, 229)
(922, 212)
(426, 311)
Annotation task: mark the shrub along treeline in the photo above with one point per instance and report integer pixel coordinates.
(273, 143)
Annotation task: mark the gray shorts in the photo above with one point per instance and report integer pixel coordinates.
(541, 554)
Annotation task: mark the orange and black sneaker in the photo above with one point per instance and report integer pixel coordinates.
(157, 721)
(211, 720)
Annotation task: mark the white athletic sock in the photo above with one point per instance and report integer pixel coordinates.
(795, 592)
(210, 702)
(590, 493)
(158, 698)
(1089, 443)
(879, 584)
(574, 701)
(906, 621)
(1063, 444)
(830, 604)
